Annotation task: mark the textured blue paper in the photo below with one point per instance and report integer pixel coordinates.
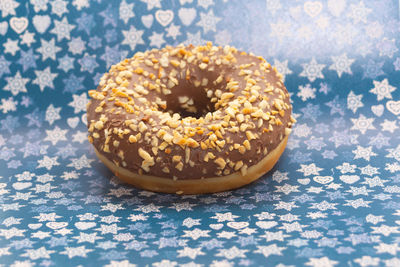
(333, 199)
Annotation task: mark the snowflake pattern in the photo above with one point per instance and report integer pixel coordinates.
(332, 199)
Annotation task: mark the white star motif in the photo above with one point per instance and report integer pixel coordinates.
(223, 217)
(196, 233)
(363, 153)
(393, 262)
(182, 206)
(56, 135)
(280, 176)
(126, 11)
(369, 170)
(389, 126)
(79, 4)
(306, 92)
(124, 263)
(194, 38)
(309, 169)
(59, 7)
(282, 68)
(52, 114)
(39, 253)
(363, 124)
(7, 7)
(90, 238)
(112, 207)
(4, 251)
(280, 30)
(79, 137)
(44, 78)
(341, 64)
(157, 39)
(359, 12)
(356, 203)
(208, 21)
(76, 251)
(387, 248)
(271, 236)
(11, 46)
(292, 227)
(152, 4)
(385, 230)
(376, 181)
(382, 89)
(232, 253)
(27, 38)
(354, 101)
(62, 29)
(148, 208)
(40, 235)
(394, 153)
(285, 205)
(76, 45)
(80, 163)
(205, 3)
(12, 232)
(173, 31)
(324, 205)
(269, 250)
(312, 70)
(133, 37)
(48, 162)
(367, 261)
(319, 262)
(190, 252)
(79, 102)
(286, 189)
(16, 84)
(190, 222)
(48, 49)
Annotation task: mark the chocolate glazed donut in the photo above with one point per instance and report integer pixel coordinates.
(190, 120)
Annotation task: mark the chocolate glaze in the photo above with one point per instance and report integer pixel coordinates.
(151, 112)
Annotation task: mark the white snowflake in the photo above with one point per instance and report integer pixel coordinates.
(280, 30)
(394, 153)
(208, 21)
(11, 46)
(312, 70)
(48, 49)
(126, 11)
(341, 64)
(306, 92)
(76, 251)
(363, 124)
(80, 163)
(354, 101)
(59, 7)
(309, 169)
(7, 7)
(389, 126)
(382, 89)
(359, 12)
(56, 135)
(133, 37)
(44, 78)
(152, 4)
(62, 29)
(39, 5)
(157, 39)
(16, 84)
(52, 114)
(173, 31)
(76, 45)
(27, 38)
(79, 102)
(282, 67)
(364, 153)
(80, 4)
(8, 105)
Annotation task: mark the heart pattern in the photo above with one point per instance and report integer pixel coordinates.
(393, 106)
(19, 25)
(187, 15)
(73, 122)
(147, 20)
(378, 110)
(312, 8)
(164, 17)
(349, 179)
(41, 23)
(323, 179)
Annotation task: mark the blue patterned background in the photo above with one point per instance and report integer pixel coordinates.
(333, 199)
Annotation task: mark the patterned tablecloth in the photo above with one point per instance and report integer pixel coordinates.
(332, 200)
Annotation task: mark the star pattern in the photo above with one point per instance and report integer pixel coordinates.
(331, 200)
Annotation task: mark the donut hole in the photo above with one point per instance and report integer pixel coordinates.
(189, 100)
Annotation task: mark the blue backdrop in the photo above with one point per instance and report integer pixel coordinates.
(333, 199)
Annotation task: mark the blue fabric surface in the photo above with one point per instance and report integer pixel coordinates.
(332, 199)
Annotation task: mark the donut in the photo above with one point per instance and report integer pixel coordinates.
(190, 119)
